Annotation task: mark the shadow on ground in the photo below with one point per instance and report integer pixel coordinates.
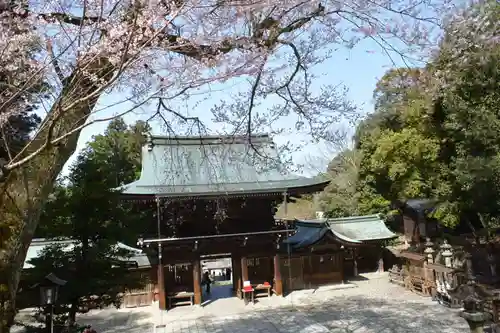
(103, 321)
(112, 321)
(348, 315)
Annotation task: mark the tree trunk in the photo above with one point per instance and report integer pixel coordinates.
(24, 190)
(73, 310)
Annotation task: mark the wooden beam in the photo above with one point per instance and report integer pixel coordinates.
(185, 253)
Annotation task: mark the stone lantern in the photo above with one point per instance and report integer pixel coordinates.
(492, 261)
(473, 297)
(429, 251)
(446, 252)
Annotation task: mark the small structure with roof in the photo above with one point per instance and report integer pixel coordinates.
(136, 259)
(324, 251)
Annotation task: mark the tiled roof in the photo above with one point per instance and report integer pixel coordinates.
(354, 230)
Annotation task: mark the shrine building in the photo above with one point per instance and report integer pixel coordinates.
(216, 196)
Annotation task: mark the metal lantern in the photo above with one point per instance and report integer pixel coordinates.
(49, 289)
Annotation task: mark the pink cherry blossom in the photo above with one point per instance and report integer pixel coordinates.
(152, 48)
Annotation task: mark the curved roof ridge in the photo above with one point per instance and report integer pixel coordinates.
(209, 139)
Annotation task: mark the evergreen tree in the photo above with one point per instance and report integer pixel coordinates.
(88, 210)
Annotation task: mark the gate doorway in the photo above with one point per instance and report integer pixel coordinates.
(220, 270)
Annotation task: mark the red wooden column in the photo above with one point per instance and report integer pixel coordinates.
(161, 287)
(278, 283)
(197, 281)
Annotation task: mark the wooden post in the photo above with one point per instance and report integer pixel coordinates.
(162, 300)
(197, 281)
(341, 259)
(244, 269)
(237, 275)
(381, 261)
(234, 273)
(152, 273)
(355, 261)
(278, 283)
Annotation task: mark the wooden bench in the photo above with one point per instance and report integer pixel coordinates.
(262, 290)
(176, 298)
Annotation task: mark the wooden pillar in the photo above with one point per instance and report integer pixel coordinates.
(233, 274)
(278, 283)
(151, 278)
(197, 281)
(244, 269)
(381, 261)
(341, 259)
(355, 261)
(162, 299)
(237, 275)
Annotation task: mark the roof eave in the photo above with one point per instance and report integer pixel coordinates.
(344, 238)
(297, 190)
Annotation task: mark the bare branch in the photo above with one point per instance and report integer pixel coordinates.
(55, 63)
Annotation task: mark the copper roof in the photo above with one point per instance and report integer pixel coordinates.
(215, 165)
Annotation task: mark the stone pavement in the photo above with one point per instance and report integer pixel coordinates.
(372, 306)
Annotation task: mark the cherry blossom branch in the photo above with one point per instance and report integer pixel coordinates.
(162, 106)
(252, 100)
(59, 139)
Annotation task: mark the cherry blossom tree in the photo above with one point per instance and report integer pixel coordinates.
(158, 52)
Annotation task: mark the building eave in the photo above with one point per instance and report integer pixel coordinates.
(215, 166)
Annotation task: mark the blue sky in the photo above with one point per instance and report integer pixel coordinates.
(358, 69)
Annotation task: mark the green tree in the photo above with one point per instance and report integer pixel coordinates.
(467, 91)
(340, 197)
(435, 135)
(88, 210)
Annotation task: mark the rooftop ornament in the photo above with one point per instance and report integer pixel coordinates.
(473, 297)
